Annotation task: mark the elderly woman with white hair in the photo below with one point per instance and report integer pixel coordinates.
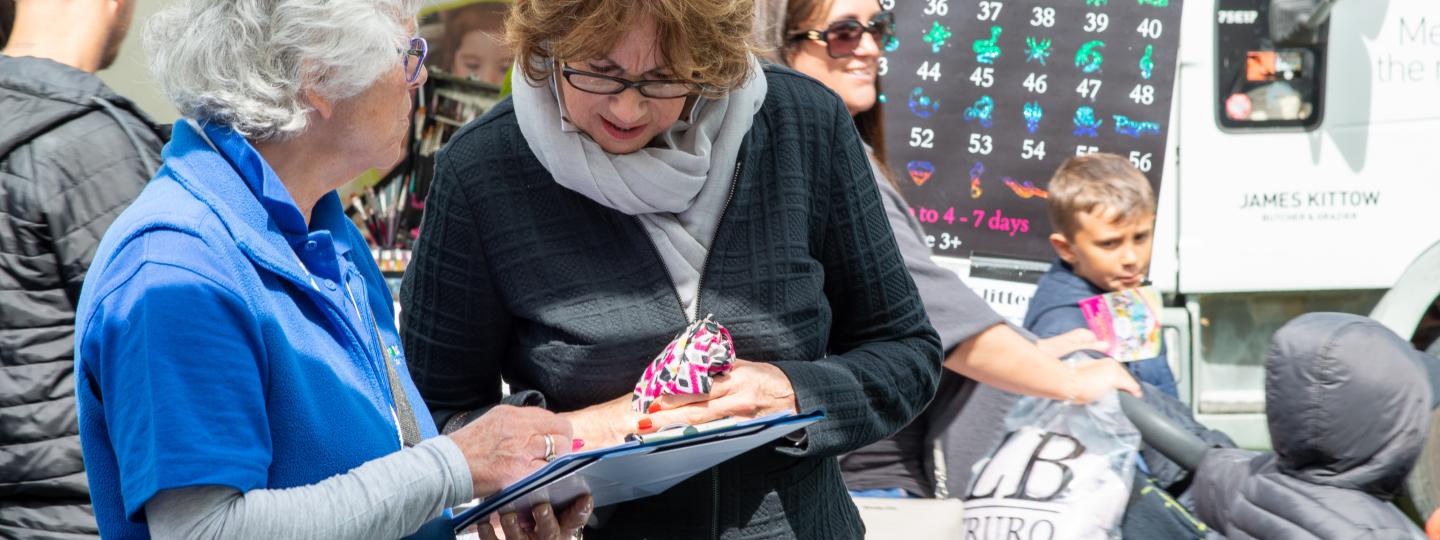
(238, 369)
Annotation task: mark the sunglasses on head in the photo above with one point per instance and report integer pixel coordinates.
(841, 38)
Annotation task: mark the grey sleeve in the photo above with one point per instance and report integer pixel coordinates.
(385, 498)
(956, 312)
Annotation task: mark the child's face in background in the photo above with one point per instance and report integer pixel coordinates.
(482, 56)
(1109, 250)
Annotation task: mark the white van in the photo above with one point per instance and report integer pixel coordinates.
(1305, 186)
(1319, 199)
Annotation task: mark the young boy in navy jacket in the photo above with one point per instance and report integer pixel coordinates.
(1103, 213)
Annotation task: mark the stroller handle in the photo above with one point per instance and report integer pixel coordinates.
(1174, 442)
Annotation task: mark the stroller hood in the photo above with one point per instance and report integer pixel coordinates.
(1347, 403)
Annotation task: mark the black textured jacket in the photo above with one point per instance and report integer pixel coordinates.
(516, 277)
(73, 154)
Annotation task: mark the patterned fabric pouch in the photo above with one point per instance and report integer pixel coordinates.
(702, 351)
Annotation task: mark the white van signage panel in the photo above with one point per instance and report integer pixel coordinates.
(1347, 206)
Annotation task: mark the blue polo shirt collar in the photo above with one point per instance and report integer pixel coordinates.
(319, 250)
(322, 251)
(259, 177)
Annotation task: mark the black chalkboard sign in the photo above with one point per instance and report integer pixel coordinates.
(985, 99)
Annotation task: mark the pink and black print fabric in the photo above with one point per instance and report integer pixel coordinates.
(687, 364)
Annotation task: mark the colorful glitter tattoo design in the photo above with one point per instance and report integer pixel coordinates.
(687, 365)
(1034, 112)
(1089, 58)
(1037, 50)
(920, 171)
(1086, 124)
(987, 50)
(983, 111)
(975, 173)
(1147, 62)
(1125, 126)
(1026, 189)
(938, 36)
(922, 105)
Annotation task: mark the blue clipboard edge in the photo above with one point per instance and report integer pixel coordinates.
(569, 463)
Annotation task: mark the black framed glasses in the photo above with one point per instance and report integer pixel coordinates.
(606, 85)
(841, 38)
(415, 58)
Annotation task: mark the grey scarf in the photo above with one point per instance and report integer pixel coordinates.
(676, 186)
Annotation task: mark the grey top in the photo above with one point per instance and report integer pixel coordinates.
(1348, 403)
(957, 314)
(389, 497)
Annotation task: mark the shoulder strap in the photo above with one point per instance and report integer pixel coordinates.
(114, 113)
(409, 428)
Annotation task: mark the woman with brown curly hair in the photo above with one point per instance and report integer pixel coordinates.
(648, 171)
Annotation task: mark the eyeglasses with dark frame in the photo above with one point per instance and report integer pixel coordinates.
(605, 85)
(841, 38)
(415, 58)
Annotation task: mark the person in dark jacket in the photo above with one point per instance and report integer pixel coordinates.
(1103, 213)
(648, 172)
(73, 154)
(1347, 402)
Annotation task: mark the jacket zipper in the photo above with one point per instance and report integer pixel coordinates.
(385, 388)
(380, 346)
(715, 503)
(361, 342)
(704, 266)
(699, 286)
(699, 283)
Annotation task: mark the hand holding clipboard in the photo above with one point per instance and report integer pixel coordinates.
(635, 469)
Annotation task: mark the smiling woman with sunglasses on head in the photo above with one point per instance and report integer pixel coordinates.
(839, 42)
(239, 374)
(649, 172)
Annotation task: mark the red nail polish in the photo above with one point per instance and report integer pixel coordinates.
(655, 407)
(577, 445)
(644, 424)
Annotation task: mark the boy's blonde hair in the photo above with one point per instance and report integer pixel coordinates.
(706, 42)
(1086, 183)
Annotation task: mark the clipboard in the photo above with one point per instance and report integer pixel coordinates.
(635, 469)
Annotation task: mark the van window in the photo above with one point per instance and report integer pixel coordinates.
(1261, 84)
